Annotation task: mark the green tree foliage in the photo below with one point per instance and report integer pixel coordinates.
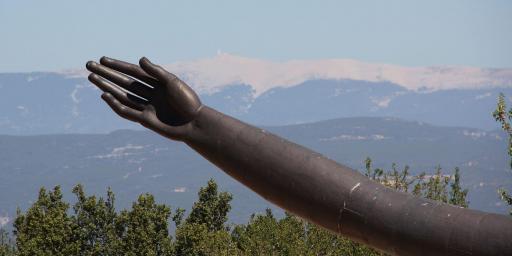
(46, 228)
(398, 180)
(503, 117)
(204, 232)
(258, 236)
(144, 230)
(438, 186)
(7, 247)
(322, 242)
(266, 235)
(96, 221)
(457, 194)
(195, 239)
(212, 208)
(96, 228)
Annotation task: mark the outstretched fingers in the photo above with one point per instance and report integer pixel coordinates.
(122, 110)
(129, 69)
(121, 80)
(125, 98)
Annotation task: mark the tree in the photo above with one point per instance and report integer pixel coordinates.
(503, 117)
(195, 239)
(432, 186)
(322, 242)
(7, 247)
(457, 194)
(438, 186)
(266, 235)
(204, 231)
(144, 230)
(46, 229)
(398, 180)
(95, 219)
(212, 207)
(259, 236)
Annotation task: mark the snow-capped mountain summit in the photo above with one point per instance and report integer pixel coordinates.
(212, 74)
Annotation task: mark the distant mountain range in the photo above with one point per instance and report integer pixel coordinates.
(134, 162)
(268, 93)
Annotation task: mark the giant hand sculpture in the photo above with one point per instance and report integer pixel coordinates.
(168, 106)
(296, 178)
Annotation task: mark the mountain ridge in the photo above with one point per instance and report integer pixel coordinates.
(209, 75)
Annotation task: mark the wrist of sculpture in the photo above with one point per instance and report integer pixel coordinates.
(210, 125)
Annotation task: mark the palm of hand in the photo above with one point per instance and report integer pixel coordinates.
(167, 105)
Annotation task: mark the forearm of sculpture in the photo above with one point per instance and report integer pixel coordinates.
(342, 200)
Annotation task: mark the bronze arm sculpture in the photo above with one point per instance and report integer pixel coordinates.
(296, 178)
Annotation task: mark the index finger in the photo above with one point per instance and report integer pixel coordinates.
(129, 69)
(120, 79)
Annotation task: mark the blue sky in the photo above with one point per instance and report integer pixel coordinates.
(59, 34)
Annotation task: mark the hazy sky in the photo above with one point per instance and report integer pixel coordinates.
(59, 34)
